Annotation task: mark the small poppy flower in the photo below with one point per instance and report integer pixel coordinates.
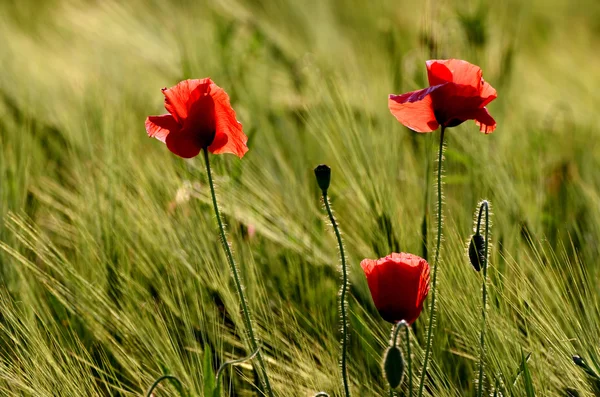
(200, 117)
(399, 284)
(456, 93)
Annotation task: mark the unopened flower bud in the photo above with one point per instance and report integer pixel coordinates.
(477, 251)
(323, 174)
(393, 366)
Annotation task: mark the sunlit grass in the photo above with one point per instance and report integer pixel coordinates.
(110, 264)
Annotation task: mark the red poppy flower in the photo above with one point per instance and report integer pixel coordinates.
(200, 117)
(399, 284)
(457, 93)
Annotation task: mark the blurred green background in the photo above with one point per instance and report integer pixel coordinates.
(111, 273)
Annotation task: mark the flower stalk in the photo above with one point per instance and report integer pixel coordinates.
(238, 283)
(159, 380)
(484, 259)
(395, 331)
(435, 264)
(323, 175)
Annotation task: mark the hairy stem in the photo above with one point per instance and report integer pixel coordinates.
(485, 206)
(343, 291)
(435, 265)
(396, 331)
(238, 283)
(409, 361)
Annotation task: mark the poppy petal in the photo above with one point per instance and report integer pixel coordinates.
(180, 98)
(229, 136)
(160, 127)
(183, 144)
(456, 71)
(201, 120)
(369, 266)
(414, 109)
(488, 93)
(485, 121)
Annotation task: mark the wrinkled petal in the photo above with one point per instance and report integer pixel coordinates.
(229, 136)
(456, 71)
(201, 120)
(180, 98)
(399, 284)
(482, 118)
(485, 121)
(414, 109)
(184, 144)
(488, 93)
(369, 266)
(452, 101)
(160, 127)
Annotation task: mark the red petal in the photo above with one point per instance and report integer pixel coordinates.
(481, 116)
(453, 103)
(180, 98)
(201, 120)
(160, 127)
(453, 71)
(183, 144)
(487, 92)
(369, 266)
(485, 121)
(414, 109)
(399, 284)
(229, 136)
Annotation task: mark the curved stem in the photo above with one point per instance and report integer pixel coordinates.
(343, 291)
(233, 362)
(238, 282)
(485, 206)
(397, 327)
(435, 264)
(159, 380)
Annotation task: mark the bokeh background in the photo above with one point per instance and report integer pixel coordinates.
(111, 272)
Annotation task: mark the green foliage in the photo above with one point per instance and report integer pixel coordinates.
(111, 273)
(527, 380)
(211, 388)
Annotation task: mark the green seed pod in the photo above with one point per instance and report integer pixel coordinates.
(477, 251)
(323, 174)
(393, 366)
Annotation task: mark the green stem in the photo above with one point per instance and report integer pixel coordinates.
(409, 361)
(404, 324)
(391, 393)
(435, 264)
(238, 282)
(233, 362)
(159, 380)
(424, 224)
(343, 290)
(485, 206)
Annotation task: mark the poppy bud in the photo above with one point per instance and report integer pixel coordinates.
(393, 366)
(323, 174)
(477, 251)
